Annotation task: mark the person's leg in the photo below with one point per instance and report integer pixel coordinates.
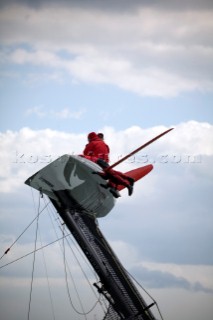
(119, 178)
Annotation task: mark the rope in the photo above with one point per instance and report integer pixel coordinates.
(74, 254)
(34, 257)
(77, 260)
(155, 302)
(8, 249)
(80, 265)
(48, 283)
(73, 242)
(33, 268)
(68, 291)
(24, 256)
(83, 272)
(67, 286)
(134, 280)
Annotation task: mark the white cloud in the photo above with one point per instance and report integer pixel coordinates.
(147, 51)
(37, 110)
(27, 150)
(65, 113)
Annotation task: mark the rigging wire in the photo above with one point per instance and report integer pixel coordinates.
(73, 242)
(155, 302)
(67, 286)
(63, 232)
(48, 283)
(27, 254)
(80, 265)
(41, 248)
(37, 249)
(83, 272)
(76, 258)
(33, 268)
(74, 254)
(68, 291)
(8, 249)
(44, 261)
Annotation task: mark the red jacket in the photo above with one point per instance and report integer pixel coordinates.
(96, 148)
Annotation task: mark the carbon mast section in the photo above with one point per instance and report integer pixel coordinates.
(125, 301)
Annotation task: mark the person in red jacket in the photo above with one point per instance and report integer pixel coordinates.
(96, 148)
(98, 151)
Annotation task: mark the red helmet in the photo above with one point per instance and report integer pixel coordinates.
(92, 135)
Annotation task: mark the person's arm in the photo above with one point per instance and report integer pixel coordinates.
(88, 149)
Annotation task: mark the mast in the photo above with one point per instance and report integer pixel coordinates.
(124, 299)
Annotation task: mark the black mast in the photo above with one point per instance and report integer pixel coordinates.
(115, 284)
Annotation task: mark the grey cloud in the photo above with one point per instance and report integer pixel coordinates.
(119, 5)
(174, 223)
(110, 5)
(157, 279)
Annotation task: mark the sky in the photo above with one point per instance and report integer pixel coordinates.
(129, 69)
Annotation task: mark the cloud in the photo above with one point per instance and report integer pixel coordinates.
(37, 78)
(29, 150)
(111, 6)
(37, 110)
(158, 275)
(65, 113)
(141, 50)
(158, 279)
(26, 149)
